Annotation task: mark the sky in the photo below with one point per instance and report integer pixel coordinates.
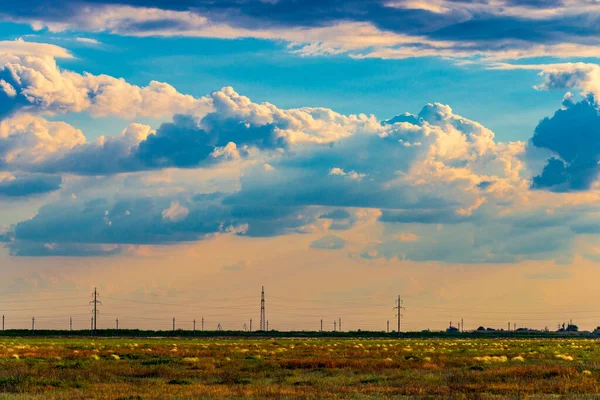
(179, 155)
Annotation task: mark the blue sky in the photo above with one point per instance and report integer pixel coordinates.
(449, 138)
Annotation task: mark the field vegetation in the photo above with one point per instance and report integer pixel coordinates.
(161, 368)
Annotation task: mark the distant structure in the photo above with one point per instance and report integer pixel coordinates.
(399, 307)
(452, 329)
(263, 317)
(95, 303)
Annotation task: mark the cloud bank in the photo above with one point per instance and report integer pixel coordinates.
(498, 29)
(427, 186)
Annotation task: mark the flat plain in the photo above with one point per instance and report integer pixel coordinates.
(163, 368)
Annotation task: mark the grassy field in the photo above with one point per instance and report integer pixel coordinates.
(80, 368)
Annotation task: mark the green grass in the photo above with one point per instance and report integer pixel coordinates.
(144, 368)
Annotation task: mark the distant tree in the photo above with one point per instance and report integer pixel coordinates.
(572, 328)
(481, 328)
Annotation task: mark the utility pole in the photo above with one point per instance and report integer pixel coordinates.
(202, 324)
(95, 302)
(250, 324)
(173, 324)
(2, 322)
(334, 322)
(388, 326)
(32, 324)
(70, 323)
(194, 326)
(267, 325)
(321, 325)
(399, 307)
(509, 327)
(117, 322)
(91, 323)
(340, 325)
(514, 326)
(263, 318)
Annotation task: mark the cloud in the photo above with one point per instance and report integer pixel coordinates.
(569, 137)
(336, 214)
(36, 249)
(37, 84)
(20, 47)
(26, 140)
(87, 40)
(175, 212)
(434, 186)
(572, 134)
(329, 242)
(499, 29)
(28, 185)
(126, 221)
(232, 131)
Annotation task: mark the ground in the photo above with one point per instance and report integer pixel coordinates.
(96, 368)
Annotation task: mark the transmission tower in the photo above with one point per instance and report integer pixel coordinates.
(95, 303)
(399, 307)
(263, 318)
